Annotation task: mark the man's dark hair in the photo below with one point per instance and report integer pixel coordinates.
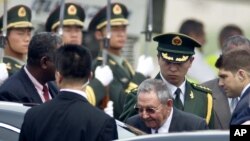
(234, 60)
(73, 61)
(191, 26)
(42, 44)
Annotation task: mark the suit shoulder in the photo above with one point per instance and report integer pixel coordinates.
(200, 88)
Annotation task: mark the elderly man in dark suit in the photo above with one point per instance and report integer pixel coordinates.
(157, 114)
(69, 116)
(32, 83)
(175, 56)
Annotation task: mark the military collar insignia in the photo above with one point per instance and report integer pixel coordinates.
(165, 56)
(177, 41)
(18, 66)
(117, 10)
(191, 95)
(21, 12)
(72, 10)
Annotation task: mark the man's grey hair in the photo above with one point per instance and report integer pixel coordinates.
(237, 41)
(158, 87)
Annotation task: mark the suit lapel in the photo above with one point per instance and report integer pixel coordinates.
(29, 87)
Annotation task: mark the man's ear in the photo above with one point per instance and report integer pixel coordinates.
(242, 74)
(170, 103)
(58, 77)
(44, 62)
(91, 75)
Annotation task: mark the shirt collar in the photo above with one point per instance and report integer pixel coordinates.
(38, 85)
(118, 59)
(82, 93)
(244, 90)
(173, 88)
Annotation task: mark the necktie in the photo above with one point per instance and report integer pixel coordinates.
(233, 104)
(45, 93)
(156, 131)
(177, 101)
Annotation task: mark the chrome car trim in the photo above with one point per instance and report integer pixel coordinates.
(9, 127)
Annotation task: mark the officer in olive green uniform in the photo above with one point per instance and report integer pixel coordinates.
(125, 78)
(73, 23)
(175, 56)
(19, 28)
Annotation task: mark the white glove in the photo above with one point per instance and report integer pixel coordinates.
(4, 73)
(145, 65)
(104, 75)
(109, 109)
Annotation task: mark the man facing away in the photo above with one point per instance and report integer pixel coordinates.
(69, 116)
(156, 113)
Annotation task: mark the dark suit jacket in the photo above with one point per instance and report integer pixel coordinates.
(198, 101)
(241, 112)
(19, 88)
(181, 121)
(221, 107)
(68, 117)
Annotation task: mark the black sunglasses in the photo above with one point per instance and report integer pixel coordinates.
(148, 110)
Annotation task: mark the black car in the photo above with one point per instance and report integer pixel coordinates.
(12, 115)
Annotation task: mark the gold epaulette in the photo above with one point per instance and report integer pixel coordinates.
(201, 88)
(110, 61)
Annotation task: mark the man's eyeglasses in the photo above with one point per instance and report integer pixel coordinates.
(148, 110)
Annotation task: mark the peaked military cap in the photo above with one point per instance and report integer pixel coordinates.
(18, 17)
(175, 47)
(119, 16)
(73, 15)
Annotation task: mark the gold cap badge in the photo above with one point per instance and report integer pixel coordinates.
(176, 41)
(117, 9)
(72, 10)
(21, 12)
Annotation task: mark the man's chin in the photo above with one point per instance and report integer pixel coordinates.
(150, 124)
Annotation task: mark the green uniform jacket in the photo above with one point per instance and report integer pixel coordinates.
(198, 100)
(117, 89)
(12, 65)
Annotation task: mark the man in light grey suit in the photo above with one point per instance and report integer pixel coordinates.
(222, 104)
(156, 111)
(222, 112)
